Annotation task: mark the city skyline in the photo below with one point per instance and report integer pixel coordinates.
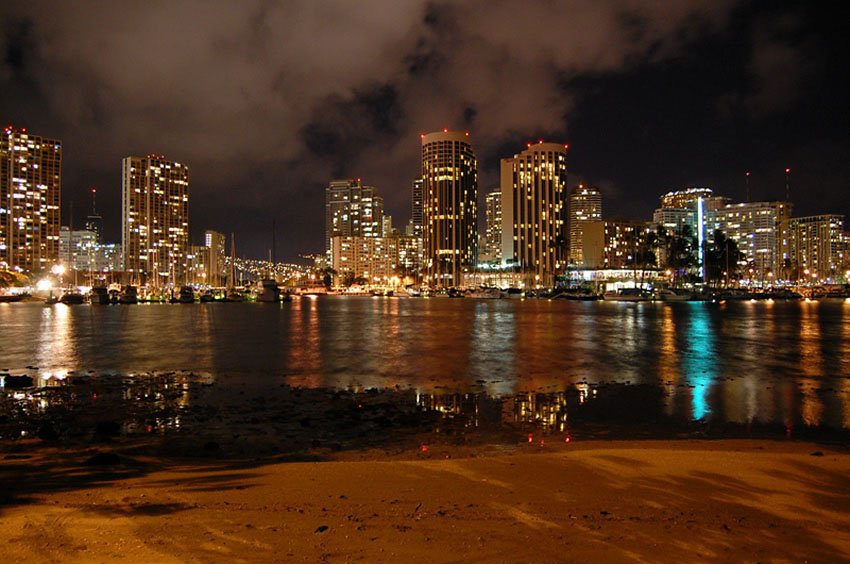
(650, 100)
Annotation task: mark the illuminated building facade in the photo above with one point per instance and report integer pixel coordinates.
(30, 190)
(611, 243)
(533, 189)
(585, 206)
(687, 198)
(491, 249)
(416, 209)
(352, 210)
(816, 247)
(82, 251)
(449, 207)
(374, 259)
(215, 269)
(761, 231)
(155, 213)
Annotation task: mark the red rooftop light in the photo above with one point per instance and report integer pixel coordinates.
(787, 171)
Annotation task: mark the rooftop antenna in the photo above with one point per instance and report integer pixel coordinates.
(787, 184)
(94, 201)
(747, 175)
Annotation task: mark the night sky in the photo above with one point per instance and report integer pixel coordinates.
(268, 101)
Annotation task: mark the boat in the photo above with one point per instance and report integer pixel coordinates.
(11, 298)
(483, 293)
(187, 295)
(100, 295)
(628, 295)
(267, 291)
(207, 297)
(673, 295)
(577, 294)
(129, 295)
(412, 292)
(513, 293)
(72, 297)
(114, 296)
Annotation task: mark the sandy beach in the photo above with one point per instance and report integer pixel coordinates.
(728, 500)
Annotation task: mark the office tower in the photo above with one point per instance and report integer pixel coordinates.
(416, 208)
(352, 210)
(760, 229)
(30, 189)
(815, 250)
(491, 250)
(611, 243)
(449, 207)
(80, 250)
(687, 199)
(364, 260)
(216, 270)
(533, 185)
(94, 222)
(155, 220)
(585, 206)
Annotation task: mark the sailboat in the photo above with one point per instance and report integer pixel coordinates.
(233, 295)
(72, 296)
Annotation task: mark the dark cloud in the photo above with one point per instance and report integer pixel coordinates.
(268, 101)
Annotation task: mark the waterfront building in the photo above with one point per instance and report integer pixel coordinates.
(533, 189)
(816, 247)
(30, 190)
(155, 220)
(94, 222)
(761, 231)
(372, 259)
(410, 255)
(585, 206)
(682, 199)
(491, 247)
(198, 259)
(82, 251)
(416, 209)
(352, 210)
(612, 244)
(215, 267)
(449, 207)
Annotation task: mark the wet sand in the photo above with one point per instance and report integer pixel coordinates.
(728, 500)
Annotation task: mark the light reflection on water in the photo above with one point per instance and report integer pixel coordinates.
(783, 363)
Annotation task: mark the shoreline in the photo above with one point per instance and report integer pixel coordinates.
(726, 499)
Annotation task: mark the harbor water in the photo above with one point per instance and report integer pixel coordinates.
(782, 366)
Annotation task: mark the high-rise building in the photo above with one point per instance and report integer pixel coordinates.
(612, 243)
(760, 229)
(816, 247)
(30, 190)
(352, 210)
(416, 208)
(81, 251)
(534, 184)
(585, 206)
(491, 249)
(688, 198)
(449, 207)
(155, 220)
(94, 222)
(216, 270)
(372, 259)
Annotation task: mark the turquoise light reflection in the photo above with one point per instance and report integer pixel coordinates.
(698, 359)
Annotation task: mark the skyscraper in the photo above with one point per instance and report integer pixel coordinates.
(30, 189)
(449, 207)
(816, 247)
(534, 183)
(94, 222)
(416, 208)
(155, 220)
(216, 269)
(585, 206)
(492, 251)
(352, 210)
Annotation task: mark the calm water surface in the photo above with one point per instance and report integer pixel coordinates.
(783, 363)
